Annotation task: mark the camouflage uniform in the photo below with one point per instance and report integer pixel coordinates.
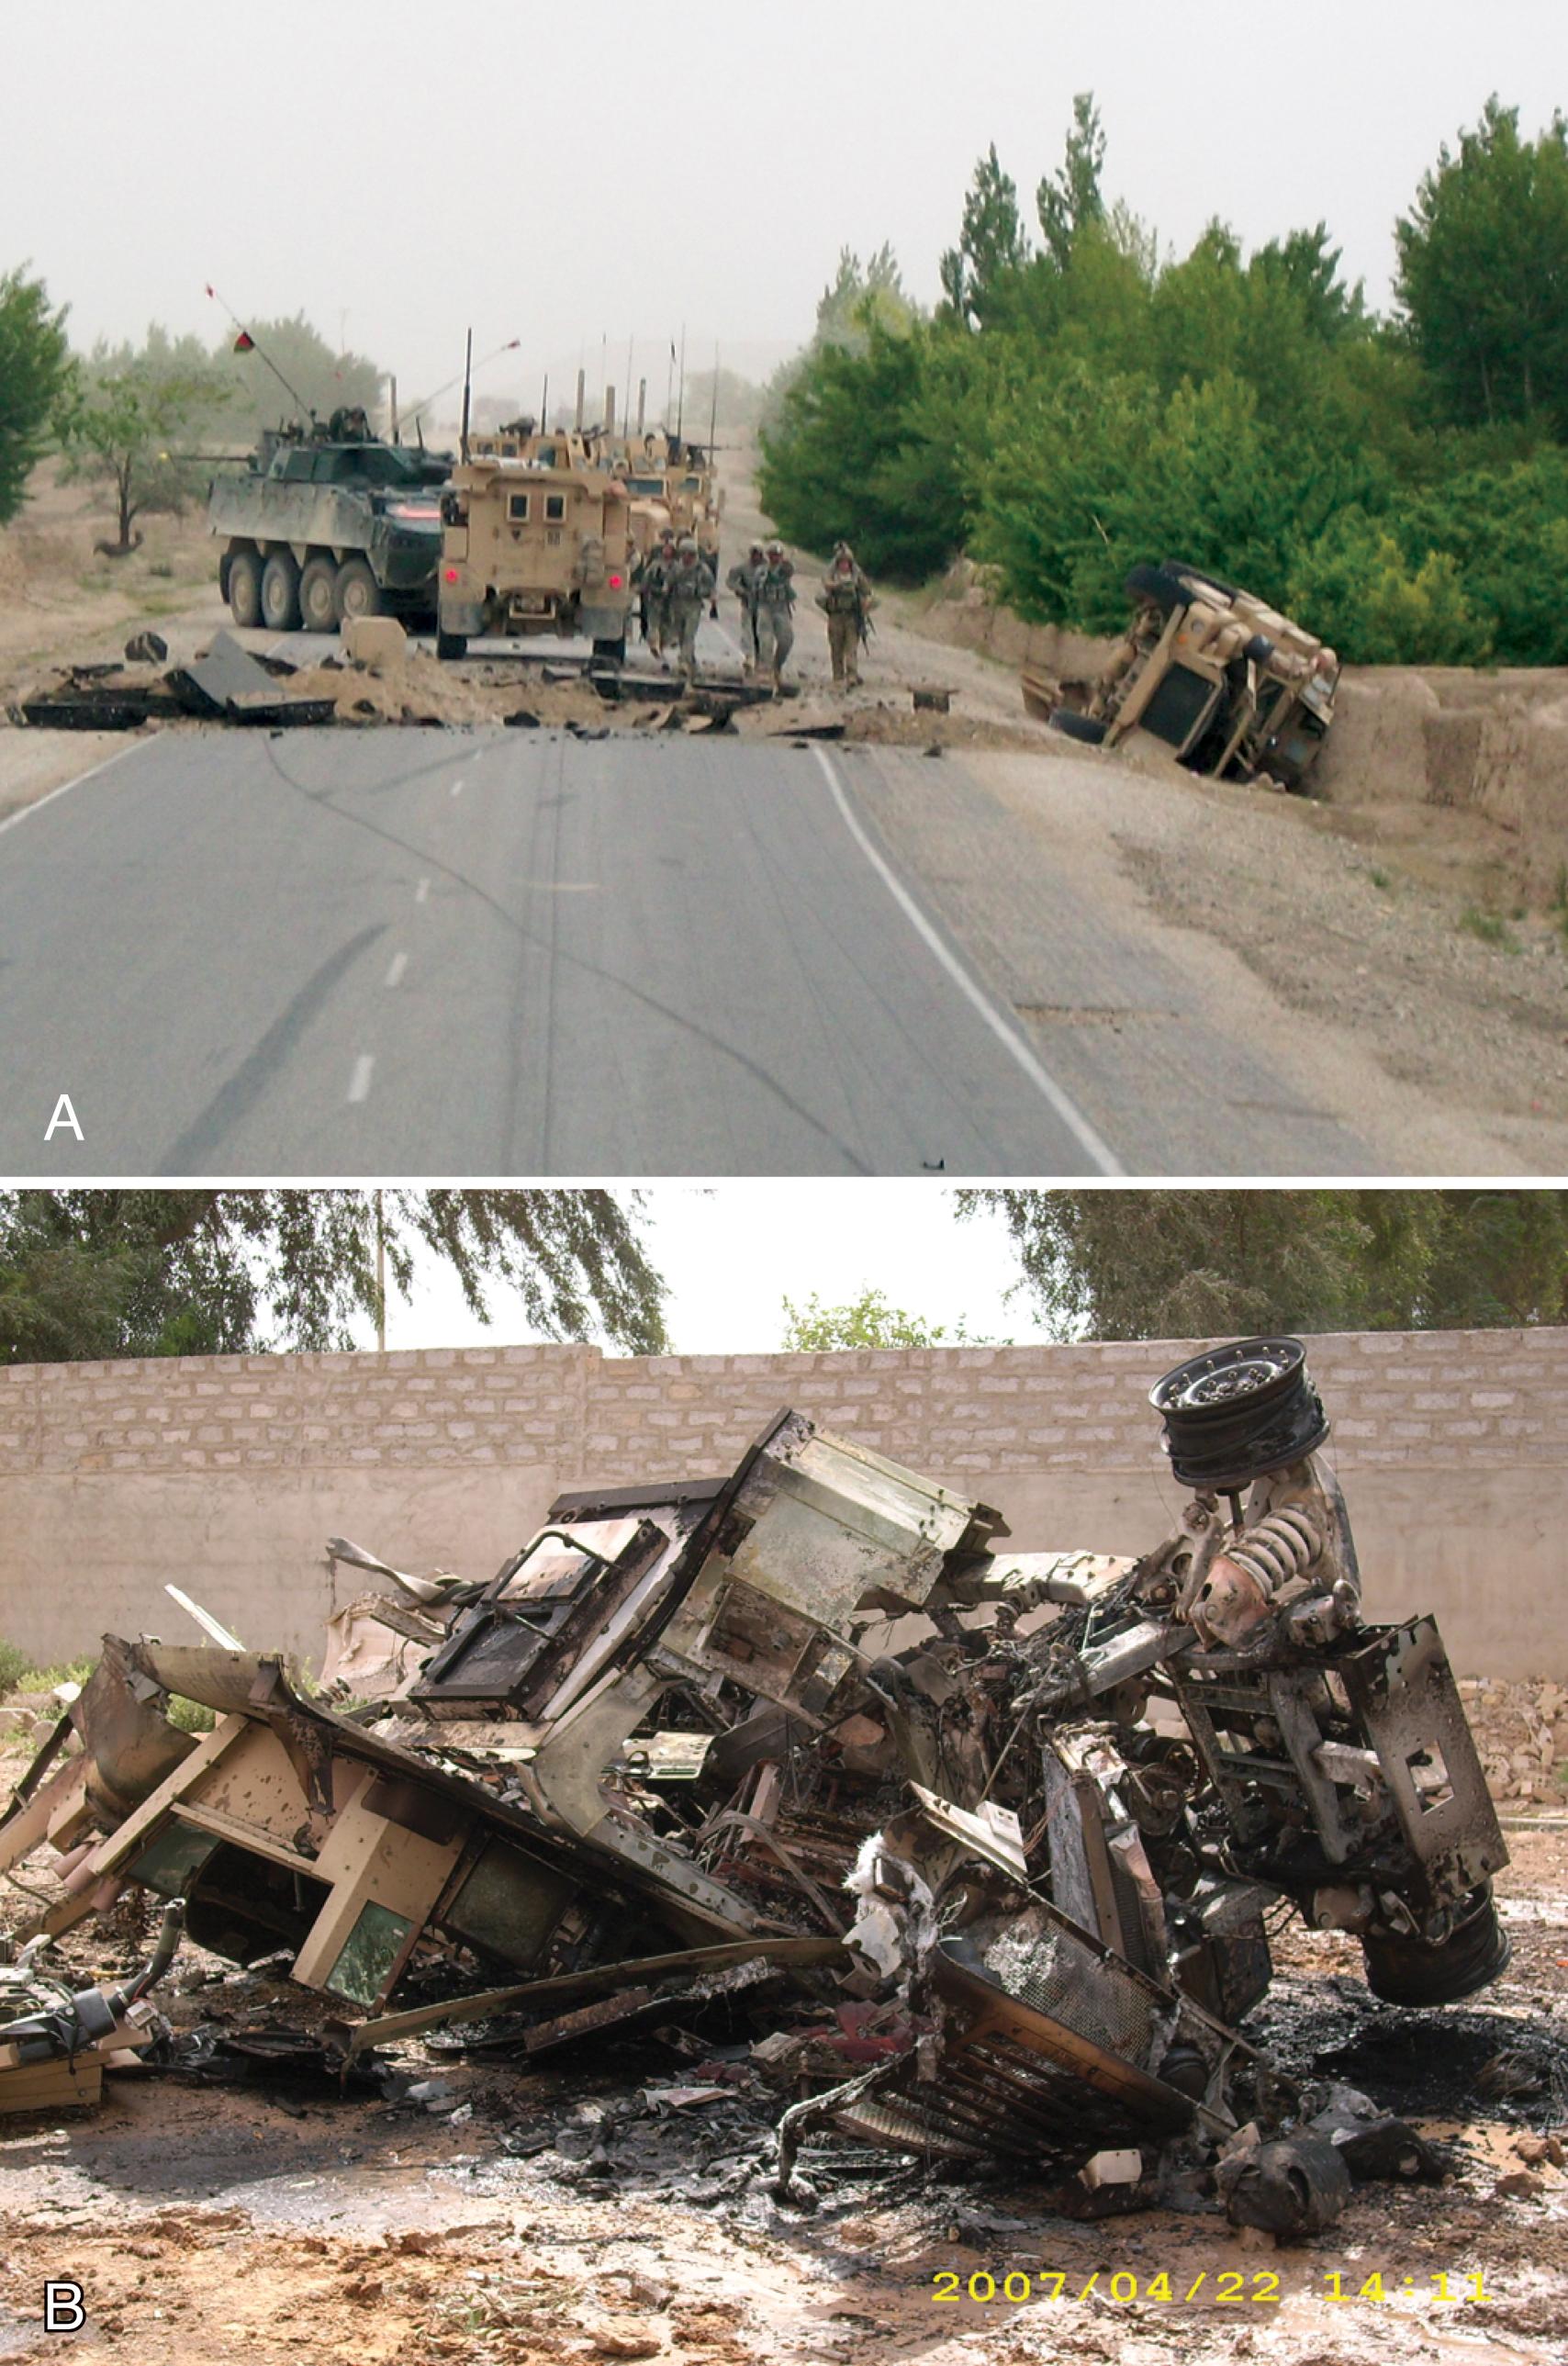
(846, 595)
(745, 579)
(653, 583)
(691, 589)
(776, 622)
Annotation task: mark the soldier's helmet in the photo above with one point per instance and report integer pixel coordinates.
(758, 550)
(775, 550)
(688, 542)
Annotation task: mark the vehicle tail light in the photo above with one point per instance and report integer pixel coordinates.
(451, 574)
(615, 582)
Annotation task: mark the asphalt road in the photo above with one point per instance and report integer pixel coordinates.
(451, 953)
(499, 952)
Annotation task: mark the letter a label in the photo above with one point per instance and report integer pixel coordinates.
(64, 1115)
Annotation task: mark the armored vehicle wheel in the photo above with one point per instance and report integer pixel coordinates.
(1158, 583)
(1185, 567)
(359, 593)
(451, 645)
(280, 592)
(244, 587)
(1090, 728)
(318, 595)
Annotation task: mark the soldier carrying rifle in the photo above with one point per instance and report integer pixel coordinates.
(745, 579)
(848, 600)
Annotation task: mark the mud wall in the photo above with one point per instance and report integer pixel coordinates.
(228, 1474)
(1492, 746)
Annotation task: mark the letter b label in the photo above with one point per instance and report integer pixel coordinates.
(62, 2309)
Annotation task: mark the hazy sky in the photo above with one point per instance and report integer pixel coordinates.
(400, 171)
(733, 1252)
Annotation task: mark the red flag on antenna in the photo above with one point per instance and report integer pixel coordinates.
(244, 343)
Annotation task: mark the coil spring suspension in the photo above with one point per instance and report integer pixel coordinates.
(1281, 1547)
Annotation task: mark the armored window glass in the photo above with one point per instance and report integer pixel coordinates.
(555, 505)
(298, 467)
(517, 505)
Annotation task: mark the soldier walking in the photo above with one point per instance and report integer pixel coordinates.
(848, 599)
(653, 589)
(775, 620)
(691, 589)
(745, 579)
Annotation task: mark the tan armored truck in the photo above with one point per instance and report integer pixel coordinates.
(1234, 688)
(530, 545)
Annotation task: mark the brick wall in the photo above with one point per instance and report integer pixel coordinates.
(227, 1474)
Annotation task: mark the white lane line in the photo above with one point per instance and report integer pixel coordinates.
(37, 804)
(1072, 1116)
(395, 975)
(359, 1083)
(421, 893)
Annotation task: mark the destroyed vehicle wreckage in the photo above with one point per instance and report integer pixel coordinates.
(682, 1732)
(1228, 684)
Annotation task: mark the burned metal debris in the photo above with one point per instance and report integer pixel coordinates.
(984, 1845)
(55, 2041)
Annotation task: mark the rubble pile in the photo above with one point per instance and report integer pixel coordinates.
(966, 1855)
(379, 676)
(1521, 1732)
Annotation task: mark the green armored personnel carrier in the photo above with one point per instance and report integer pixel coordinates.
(329, 522)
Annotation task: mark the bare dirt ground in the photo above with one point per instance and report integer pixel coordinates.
(563, 2211)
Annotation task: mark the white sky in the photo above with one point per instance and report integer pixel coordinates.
(400, 172)
(733, 1252)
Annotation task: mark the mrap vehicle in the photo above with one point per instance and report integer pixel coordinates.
(327, 523)
(535, 546)
(1233, 687)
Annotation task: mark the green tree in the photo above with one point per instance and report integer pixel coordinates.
(126, 423)
(1501, 1259)
(1308, 268)
(34, 362)
(1483, 272)
(1069, 199)
(853, 454)
(868, 1321)
(93, 1274)
(992, 245)
(1184, 1265)
(1378, 606)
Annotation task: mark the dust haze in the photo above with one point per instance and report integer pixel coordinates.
(578, 182)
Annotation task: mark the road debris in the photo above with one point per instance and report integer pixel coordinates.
(959, 1853)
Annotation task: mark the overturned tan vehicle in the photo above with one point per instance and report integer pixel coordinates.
(1232, 687)
(813, 1721)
